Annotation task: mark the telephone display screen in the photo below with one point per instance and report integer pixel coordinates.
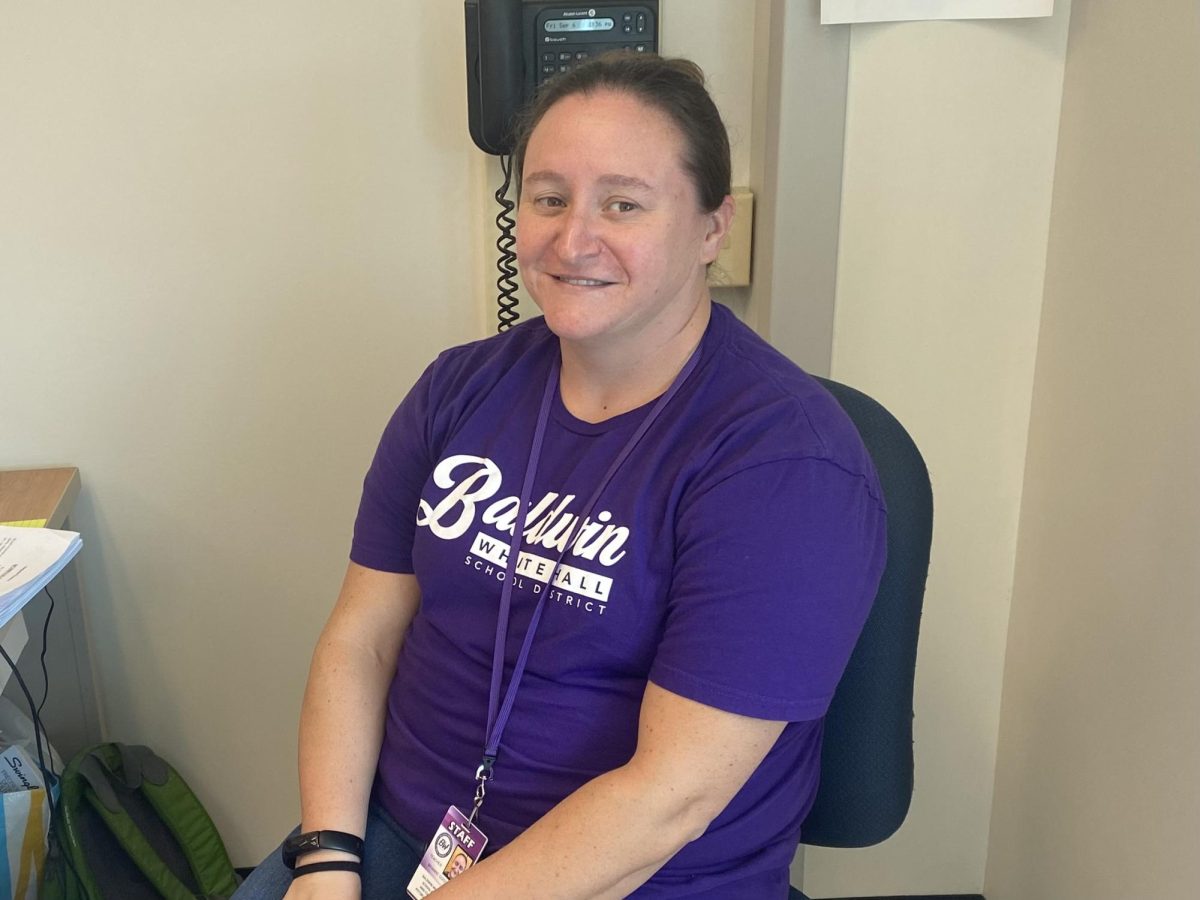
(580, 25)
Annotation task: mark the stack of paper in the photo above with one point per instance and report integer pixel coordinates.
(29, 558)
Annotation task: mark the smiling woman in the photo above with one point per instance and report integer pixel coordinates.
(679, 529)
(624, 186)
(614, 247)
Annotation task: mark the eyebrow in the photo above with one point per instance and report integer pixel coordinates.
(613, 180)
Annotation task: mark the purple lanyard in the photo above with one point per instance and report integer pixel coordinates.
(497, 715)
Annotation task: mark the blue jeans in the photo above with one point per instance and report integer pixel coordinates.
(390, 858)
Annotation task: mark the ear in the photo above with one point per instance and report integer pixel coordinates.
(719, 221)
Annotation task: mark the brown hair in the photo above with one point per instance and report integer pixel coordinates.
(675, 87)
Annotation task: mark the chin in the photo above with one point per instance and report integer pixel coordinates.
(574, 317)
(570, 328)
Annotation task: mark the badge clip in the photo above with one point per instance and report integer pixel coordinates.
(482, 776)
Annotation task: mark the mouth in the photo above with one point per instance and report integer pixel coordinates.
(581, 282)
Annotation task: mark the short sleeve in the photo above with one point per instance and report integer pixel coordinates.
(776, 568)
(387, 512)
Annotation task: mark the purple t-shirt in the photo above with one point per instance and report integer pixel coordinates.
(732, 560)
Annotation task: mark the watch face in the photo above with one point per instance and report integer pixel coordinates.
(319, 840)
(300, 843)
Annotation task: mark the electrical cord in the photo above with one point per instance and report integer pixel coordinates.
(506, 284)
(45, 639)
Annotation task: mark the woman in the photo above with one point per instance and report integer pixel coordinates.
(638, 687)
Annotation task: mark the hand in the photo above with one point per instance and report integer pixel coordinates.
(326, 886)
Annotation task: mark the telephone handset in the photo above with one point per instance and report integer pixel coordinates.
(495, 72)
(513, 47)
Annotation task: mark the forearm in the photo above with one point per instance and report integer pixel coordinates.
(341, 729)
(341, 720)
(602, 841)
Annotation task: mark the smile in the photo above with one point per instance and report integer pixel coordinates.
(582, 282)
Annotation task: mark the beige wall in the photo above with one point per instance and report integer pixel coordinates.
(799, 94)
(230, 238)
(949, 163)
(1098, 780)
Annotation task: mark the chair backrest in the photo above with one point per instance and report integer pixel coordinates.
(867, 756)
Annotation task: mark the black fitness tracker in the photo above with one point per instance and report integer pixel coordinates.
(299, 844)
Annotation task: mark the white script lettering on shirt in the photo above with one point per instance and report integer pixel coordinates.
(548, 523)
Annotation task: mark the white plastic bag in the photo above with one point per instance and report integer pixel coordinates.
(24, 804)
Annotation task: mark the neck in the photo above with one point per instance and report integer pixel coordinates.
(599, 382)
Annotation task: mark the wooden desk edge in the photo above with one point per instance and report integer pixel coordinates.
(38, 494)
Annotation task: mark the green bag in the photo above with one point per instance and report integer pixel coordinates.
(127, 827)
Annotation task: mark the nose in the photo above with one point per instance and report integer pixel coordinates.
(577, 238)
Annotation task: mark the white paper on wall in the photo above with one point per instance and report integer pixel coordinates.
(839, 12)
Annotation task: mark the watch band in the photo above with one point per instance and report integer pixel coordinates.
(299, 844)
(341, 865)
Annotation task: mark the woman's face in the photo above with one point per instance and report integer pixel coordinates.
(611, 241)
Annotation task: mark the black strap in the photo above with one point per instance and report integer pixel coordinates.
(298, 845)
(340, 865)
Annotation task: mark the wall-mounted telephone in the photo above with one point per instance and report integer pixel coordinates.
(514, 46)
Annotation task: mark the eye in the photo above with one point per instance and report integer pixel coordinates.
(621, 206)
(549, 201)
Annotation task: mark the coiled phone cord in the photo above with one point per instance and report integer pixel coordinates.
(506, 284)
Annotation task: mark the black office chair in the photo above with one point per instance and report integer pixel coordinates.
(867, 755)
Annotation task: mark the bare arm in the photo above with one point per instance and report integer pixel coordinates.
(612, 834)
(341, 720)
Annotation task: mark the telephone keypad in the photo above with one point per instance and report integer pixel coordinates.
(566, 61)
